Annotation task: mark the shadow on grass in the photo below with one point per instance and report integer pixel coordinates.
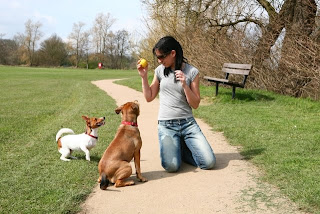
(245, 96)
(95, 158)
(253, 97)
(250, 153)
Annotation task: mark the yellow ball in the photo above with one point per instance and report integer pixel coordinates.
(143, 63)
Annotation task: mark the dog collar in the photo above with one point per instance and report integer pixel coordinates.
(92, 136)
(129, 123)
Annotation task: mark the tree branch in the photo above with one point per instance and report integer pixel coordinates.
(237, 22)
(269, 8)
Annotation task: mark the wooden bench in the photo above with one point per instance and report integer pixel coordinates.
(235, 69)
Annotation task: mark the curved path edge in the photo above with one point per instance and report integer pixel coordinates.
(232, 187)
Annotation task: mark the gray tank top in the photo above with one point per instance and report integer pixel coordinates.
(173, 101)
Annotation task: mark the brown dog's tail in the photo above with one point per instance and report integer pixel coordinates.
(104, 183)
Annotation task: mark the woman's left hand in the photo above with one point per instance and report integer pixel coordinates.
(181, 77)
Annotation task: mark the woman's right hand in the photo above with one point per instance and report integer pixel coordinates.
(143, 71)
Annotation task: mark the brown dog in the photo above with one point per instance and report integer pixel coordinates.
(114, 165)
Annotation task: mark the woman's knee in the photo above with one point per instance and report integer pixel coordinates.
(172, 166)
(208, 163)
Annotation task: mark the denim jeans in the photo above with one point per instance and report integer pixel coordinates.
(183, 140)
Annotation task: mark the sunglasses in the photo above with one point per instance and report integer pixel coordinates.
(162, 56)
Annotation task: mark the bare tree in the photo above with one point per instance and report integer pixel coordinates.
(86, 46)
(122, 44)
(79, 41)
(216, 31)
(111, 51)
(31, 37)
(101, 28)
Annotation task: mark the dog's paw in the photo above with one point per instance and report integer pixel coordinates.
(122, 183)
(64, 159)
(129, 183)
(142, 179)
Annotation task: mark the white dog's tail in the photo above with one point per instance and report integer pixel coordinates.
(63, 131)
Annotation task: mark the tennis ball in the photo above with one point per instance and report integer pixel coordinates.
(143, 63)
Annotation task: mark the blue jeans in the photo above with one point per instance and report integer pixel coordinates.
(183, 140)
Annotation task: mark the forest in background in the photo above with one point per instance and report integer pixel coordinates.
(85, 47)
(280, 38)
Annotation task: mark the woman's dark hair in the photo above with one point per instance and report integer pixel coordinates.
(165, 45)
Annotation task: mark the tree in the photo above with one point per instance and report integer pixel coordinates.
(100, 31)
(111, 51)
(31, 37)
(122, 44)
(53, 51)
(118, 49)
(8, 53)
(299, 44)
(296, 16)
(79, 41)
(247, 31)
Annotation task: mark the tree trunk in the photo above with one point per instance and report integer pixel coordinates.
(270, 34)
(296, 60)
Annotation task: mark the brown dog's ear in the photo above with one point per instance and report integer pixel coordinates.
(137, 103)
(118, 110)
(136, 107)
(85, 117)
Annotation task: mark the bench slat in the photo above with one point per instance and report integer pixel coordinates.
(212, 79)
(237, 66)
(236, 71)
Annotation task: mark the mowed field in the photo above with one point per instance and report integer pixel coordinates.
(35, 104)
(279, 134)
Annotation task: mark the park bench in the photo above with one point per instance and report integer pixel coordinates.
(234, 69)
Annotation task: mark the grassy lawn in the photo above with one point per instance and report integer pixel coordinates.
(277, 133)
(35, 104)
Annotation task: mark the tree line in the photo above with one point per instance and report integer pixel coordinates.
(280, 38)
(84, 48)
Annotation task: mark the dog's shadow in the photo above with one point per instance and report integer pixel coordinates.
(95, 158)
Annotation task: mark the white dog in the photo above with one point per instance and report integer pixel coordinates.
(84, 141)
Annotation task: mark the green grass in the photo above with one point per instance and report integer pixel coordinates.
(280, 134)
(277, 133)
(35, 104)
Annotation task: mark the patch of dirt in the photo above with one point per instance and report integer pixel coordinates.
(206, 101)
(232, 187)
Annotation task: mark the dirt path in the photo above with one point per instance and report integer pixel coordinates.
(232, 187)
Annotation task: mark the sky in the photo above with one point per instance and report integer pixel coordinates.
(58, 16)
